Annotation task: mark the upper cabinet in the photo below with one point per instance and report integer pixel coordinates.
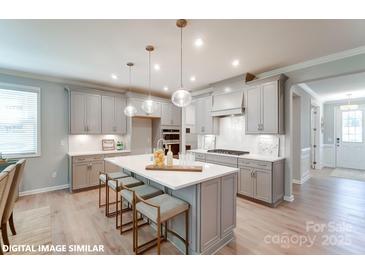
(170, 115)
(113, 119)
(205, 124)
(85, 113)
(137, 103)
(92, 113)
(264, 106)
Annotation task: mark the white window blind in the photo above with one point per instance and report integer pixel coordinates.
(19, 121)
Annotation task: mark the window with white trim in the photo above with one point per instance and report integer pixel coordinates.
(352, 126)
(19, 121)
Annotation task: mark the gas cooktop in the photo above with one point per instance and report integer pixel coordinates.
(229, 152)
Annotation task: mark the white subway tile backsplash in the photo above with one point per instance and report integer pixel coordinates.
(86, 142)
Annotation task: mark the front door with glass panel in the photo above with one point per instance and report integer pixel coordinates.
(350, 147)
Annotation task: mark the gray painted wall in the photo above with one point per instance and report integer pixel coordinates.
(54, 136)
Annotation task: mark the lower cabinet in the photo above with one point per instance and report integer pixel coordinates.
(260, 180)
(218, 210)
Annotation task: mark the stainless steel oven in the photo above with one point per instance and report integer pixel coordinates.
(171, 137)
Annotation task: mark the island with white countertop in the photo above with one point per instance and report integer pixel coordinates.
(210, 193)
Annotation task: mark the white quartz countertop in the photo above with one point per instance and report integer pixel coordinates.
(172, 179)
(96, 152)
(250, 156)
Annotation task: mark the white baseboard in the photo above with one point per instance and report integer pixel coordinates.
(289, 198)
(42, 190)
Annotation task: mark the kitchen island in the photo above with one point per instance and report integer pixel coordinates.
(210, 193)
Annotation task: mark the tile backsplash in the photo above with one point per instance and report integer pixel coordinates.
(232, 136)
(78, 143)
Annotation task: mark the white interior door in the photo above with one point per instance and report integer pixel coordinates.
(350, 147)
(141, 136)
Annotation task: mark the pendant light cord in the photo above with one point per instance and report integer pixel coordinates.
(181, 57)
(149, 74)
(130, 78)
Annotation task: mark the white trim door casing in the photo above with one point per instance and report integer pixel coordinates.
(349, 154)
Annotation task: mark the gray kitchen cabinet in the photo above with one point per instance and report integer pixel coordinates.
(85, 113)
(170, 115)
(80, 175)
(211, 213)
(113, 119)
(228, 217)
(94, 172)
(261, 180)
(205, 123)
(246, 184)
(263, 185)
(264, 106)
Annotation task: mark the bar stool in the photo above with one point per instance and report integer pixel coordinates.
(117, 186)
(160, 210)
(129, 195)
(104, 177)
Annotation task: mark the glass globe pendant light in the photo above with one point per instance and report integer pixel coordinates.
(181, 97)
(148, 105)
(130, 110)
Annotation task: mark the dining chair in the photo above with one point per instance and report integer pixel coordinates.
(6, 178)
(12, 196)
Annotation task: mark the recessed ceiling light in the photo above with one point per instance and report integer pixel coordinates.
(198, 42)
(227, 89)
(157, 67)
(114, 76)
(192, 79)
(235, 62)
(165, 88)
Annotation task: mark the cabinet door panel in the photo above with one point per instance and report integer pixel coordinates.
(93, 113)
(176, 115)
(263, 185)
(210, 213)
(80, 175)
(253, 108)
(78, 111)
(108, 114)
(269, 106)
(120, 118)
(166, 114)
(199, 115)
(246, 184)
(95, 169)
(228, 204)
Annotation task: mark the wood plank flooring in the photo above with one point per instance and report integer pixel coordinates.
(335, 205)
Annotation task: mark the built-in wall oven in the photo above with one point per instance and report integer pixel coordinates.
(171, 137)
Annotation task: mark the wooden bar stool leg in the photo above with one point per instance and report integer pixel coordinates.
(187, 232)
(11, 224)
(121, 216)
(106, 199)
(4, 232)
(116, 207)
(99, 193)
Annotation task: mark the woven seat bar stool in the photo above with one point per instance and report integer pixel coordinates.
(104, 177)
(117, 186)
(129, 195)
(160, 210)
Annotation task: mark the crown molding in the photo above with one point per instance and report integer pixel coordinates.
(307, 89)
(314, 62)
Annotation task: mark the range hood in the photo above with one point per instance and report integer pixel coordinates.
(228, 95)
(230, 103)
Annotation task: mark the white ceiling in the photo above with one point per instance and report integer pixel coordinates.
(91, 50)
(338, 88)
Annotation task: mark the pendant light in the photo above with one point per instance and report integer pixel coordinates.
(182, 96)
(148, 105)
(130, 110)
(349, 106)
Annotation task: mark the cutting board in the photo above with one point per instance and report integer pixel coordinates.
(176, 168)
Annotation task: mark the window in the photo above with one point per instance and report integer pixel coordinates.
(19, 121)
(352, 126)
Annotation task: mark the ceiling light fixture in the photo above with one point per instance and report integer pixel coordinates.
(198, 42)
(115, 77)
(157, 67)
(349, 106)
(148, 105)
(192, 78)
(235, 62)
(130, 110)
(182, 96)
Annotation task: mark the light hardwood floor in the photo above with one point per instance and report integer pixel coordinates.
(324, 201)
